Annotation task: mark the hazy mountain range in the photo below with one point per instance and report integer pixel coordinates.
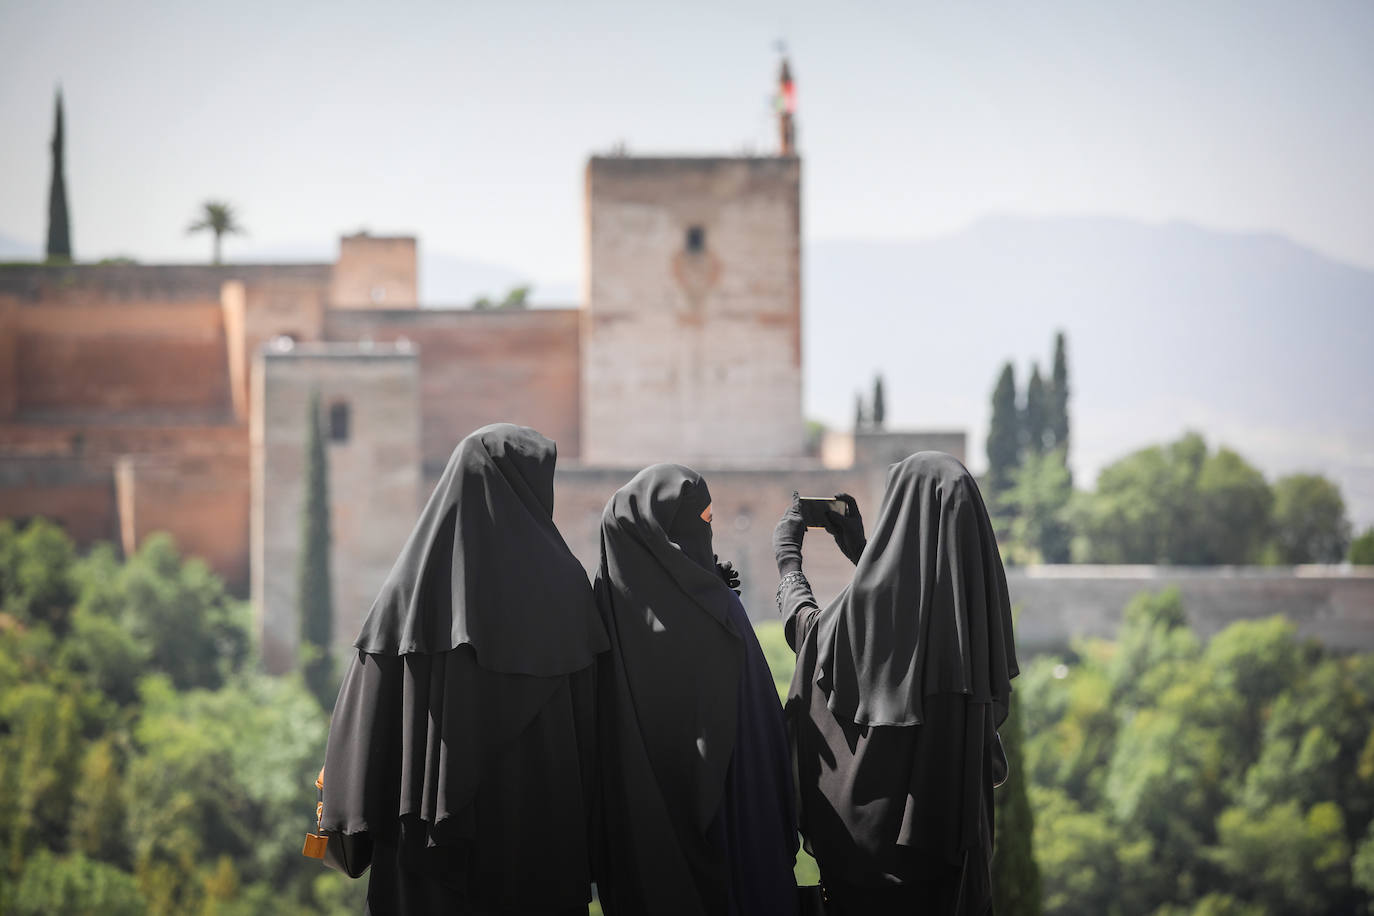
(1253, 340)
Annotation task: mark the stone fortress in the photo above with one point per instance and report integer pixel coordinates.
(142, 398)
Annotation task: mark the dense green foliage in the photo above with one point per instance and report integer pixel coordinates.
(1004, 434)
(1015, 874)
(1038, 506)
(1176, 503)
(314, 593)
(1035, 417)
(1057, 421)
(1028, 485)
(1172, 777)
(59, 225)
(1362, 548)
(1309, 520)
(145, 766)
(1179, 503)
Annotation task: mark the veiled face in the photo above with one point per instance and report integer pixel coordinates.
(691, 526)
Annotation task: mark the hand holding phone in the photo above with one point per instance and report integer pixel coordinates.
(814, 509)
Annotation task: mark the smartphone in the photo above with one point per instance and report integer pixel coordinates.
(813, 509)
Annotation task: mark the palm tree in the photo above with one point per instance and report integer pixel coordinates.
(218, 217)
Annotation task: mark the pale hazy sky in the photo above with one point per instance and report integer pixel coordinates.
(469, 124)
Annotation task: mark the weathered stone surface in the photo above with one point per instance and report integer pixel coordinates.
(375, 272)
(479, 367)
(374, 479)
(692, 341)
(1332, 604)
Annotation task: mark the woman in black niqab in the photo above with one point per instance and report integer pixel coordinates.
(460, 763)
(697, 801)
(900, 686)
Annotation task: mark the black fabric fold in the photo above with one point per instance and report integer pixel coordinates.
(927, 611)
(668, 695)
(900, 685)
(485, 567)
(462, 748)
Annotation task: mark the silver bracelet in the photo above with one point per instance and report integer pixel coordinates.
(794, 576)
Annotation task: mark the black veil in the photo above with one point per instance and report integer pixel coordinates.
(668, 696)
(927, 611)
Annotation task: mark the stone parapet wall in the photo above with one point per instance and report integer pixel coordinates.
(116, 285)
(483, 366)
(1332, 604)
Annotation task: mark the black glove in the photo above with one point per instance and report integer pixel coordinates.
(728, 573)
(787, 538)
(848, 530)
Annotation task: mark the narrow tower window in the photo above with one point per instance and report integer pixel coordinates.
(696, 240)
(338, 422)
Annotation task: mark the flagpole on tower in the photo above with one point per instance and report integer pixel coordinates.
(786, 104)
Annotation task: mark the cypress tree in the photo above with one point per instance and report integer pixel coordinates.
(1015, 876)
(314, 595)
(1035, 418)
(59, 230)
(1004, 445)
(858, 412)
(1059, 396)
(879, 405)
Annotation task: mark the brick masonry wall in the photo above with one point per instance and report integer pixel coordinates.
(117, 285)
(692, 355)
(191, 481)
(480, 367)
(150, 356)
(374, 480)
(375, 272)
(202, 501)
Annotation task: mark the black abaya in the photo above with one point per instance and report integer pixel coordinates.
(695, 772)
(899, 688)
(461, 752)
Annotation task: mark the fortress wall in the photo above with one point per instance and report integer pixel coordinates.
(375, 272)
(693, 323)
(887, 447)
(482, 366)
(374, 480)
(115, 285)
(189, 481)
(155, 355)
(202, 501)
(1058, 603)
(78, 495)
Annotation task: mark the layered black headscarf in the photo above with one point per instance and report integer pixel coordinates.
(487, 541)
(899, 688)
(668, 696)
(927, 611)
(482, 640)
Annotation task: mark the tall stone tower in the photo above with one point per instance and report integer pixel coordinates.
(692, 330)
